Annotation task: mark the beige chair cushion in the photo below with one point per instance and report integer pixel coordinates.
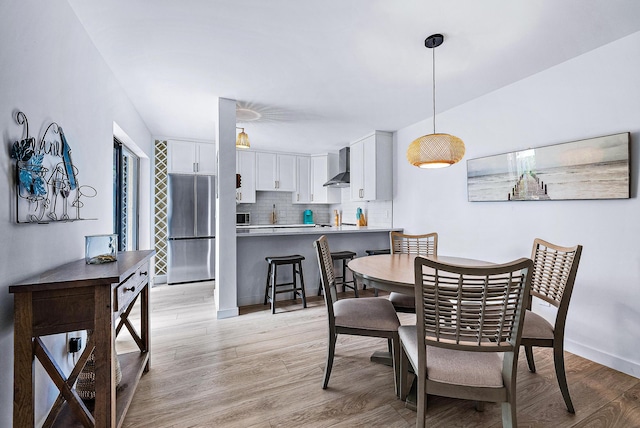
(478, 369)
(536, 327)
(400, 300)
(369, 313)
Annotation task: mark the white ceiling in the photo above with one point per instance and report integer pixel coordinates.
(323, 73)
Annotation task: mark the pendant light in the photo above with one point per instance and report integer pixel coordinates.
(242, 141)
(435, 150)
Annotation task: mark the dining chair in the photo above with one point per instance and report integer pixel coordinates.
(423, 245)
(554, 274)
(365, 316)
(467, 335)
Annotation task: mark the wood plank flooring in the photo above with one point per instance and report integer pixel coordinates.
(261, 370)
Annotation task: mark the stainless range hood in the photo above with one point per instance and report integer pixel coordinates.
(342, 179)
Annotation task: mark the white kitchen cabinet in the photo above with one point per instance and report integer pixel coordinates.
(312, 172)
(302, 195)
(246, 167)
(275, 171)
(187, 157)
(371, 167)
(323, 168)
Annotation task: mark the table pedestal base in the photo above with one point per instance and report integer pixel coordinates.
(382, 357)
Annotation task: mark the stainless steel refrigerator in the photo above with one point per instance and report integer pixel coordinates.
(192, 228)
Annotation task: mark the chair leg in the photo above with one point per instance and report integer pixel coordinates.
(266, 289)
(528, 351)
(421, 405)
(509, 418)
(304, 297)
(331, 349)
(274, 276)
(558, 360)
(396, 362)
(294, 284)
(404, 373)
(353, 278)
(320, 287)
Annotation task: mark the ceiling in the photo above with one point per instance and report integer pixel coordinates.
(323, 73)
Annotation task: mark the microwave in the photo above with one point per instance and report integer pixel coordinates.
(243, 219)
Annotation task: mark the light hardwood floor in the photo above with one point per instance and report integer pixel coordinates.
(261, 370)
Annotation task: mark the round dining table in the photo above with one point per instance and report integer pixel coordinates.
(396, 273)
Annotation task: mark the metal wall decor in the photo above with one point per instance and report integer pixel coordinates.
(596, 168)
(48, 189)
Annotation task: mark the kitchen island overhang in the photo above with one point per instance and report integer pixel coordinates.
(254, 244)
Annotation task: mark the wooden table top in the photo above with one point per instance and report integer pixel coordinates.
(395, 272)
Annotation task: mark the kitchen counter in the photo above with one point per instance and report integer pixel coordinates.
(274, 230)
(256, 243)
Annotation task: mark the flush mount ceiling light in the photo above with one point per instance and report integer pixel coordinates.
(242, 141)
(435, 150)
(247, 115)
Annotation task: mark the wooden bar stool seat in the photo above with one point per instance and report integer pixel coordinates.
(377, 252)
(344, 257)
(296, 286)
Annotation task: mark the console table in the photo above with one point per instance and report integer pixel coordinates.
(72, 297)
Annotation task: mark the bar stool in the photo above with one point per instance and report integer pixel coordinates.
(344, 257)
(375, 253)
(272, 272)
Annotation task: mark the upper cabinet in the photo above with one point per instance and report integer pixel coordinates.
(275, 171)
(246, 167)
(323, 168)
(187, 157)
(312, 172)
(302, 195)
(371, 167)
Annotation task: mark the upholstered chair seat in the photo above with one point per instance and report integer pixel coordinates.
(368, 313)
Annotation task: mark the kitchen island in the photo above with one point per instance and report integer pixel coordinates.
(256, 243)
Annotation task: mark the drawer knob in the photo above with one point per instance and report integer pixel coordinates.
(145, 273)
(130, 289)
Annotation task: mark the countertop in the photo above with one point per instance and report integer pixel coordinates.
(288, 230)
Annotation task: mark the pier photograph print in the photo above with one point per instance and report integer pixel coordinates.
(596, 168)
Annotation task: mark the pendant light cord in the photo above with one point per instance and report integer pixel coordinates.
(433, 75)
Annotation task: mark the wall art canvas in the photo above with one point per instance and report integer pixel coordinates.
(596, 168)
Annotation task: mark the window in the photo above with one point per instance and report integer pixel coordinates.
(126, 167)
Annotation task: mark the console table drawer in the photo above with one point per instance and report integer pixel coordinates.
(126, 291)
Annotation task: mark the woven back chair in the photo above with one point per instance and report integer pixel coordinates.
(554, 274)
(423, 245)
(467, 334)
(365, 316)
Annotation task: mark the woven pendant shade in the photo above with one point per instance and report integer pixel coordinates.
(435, 151)
(242, 142)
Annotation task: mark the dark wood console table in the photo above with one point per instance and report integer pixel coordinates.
(74, 297)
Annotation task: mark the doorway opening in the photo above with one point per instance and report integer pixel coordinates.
(126, 183)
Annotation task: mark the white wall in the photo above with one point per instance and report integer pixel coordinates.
(595, 94)
(52, 72)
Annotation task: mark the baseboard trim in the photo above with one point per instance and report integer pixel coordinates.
(631, 368)
(227, 313)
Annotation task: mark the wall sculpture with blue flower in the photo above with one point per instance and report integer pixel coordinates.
(47, 179)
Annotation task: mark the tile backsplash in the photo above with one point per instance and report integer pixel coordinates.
(377, 213)
(286, 211)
